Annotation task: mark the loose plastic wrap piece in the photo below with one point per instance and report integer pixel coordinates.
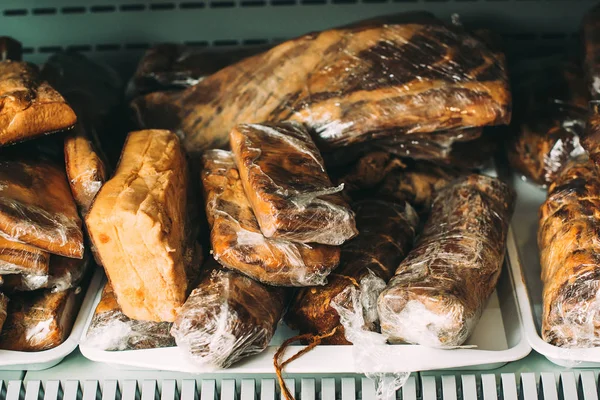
(401, 74)
(3, 309)
(10, 49)
(20, 258)
(111, 330)
(285, 180)
(236, 239)
(551, 109)
(139, 226)
(169, 66)
(442, 286)
(387, 231)
(29, 107)
(569, 243)
(37, 208)
(38, 320)
(227, 317)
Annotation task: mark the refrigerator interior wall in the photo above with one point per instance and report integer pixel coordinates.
(118, 31)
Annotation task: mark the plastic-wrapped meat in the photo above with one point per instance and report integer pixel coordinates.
(397, 180)
(551, 110)
(403, 74)
(10, 49)
(441, 288)
(238, 243)
(139, 224)
(37, 208)
(387, 231)
(94, 91)
(29, 107)
(38, 320)
(3, 309)
(20, 258)
(111, 330)
(569, 243)
(227, 317)
(285, 181)
(169, 66)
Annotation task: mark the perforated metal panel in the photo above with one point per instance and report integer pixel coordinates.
(119, 30)
(544, 386)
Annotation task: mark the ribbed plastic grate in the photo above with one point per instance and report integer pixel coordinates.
(527, 386)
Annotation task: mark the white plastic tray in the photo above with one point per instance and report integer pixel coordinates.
(498, 337)
(35, 361)
(524, 255)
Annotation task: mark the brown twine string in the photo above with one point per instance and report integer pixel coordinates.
(315, 340)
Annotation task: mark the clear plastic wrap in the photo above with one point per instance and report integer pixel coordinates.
(26, 102)
(169, 66)
(236, 239)
(140, 228)
(111, 330)
(10, 49)
(227, 317)
(284, 178)
(20, 258)
(3, 309)
(569, 243)
(38, 320)
(37, 208)
(551, 109)
(387, 231)
(442, 286)
(401, 75)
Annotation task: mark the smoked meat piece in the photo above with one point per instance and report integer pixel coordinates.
(139, 226)
(227, 317)
(551, 111)
(37, 208)
(569, 243)
(111, 330)
(387, 231)
(38, 320)
(284, 178)
(403, 74)
(29, 107)
(3, 309)
(236, 239)
(20, 258)
(441, 288)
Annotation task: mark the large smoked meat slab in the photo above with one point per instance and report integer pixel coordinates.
(403, 74)
(138, 224)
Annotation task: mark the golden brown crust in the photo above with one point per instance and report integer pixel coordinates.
(138, 224)
(442, 286)
(569, 244)
(284, 178)
(238, 243)
(38, 320)
(387, 231)
(349, 85)
(37, 208)
(29, 107)
(21, 258)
